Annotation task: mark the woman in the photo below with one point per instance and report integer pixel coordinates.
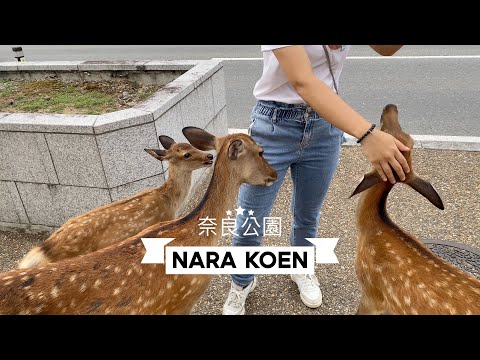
(299, 121)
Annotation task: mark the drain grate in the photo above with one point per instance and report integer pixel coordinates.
(462, 256)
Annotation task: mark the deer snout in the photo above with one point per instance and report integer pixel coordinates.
(209, 161)
(271, 179)
(389, 120)
(388, 106)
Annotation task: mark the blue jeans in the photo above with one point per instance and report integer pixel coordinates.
(296, 137)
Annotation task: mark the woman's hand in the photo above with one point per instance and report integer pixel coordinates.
(383, 151)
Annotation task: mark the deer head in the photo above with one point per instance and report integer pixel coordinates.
(181, 155)
(390, 124)
(247, 162)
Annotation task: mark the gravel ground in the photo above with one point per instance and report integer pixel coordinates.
(15, 244)
(277, 294)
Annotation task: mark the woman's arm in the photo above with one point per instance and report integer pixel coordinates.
(381, 149)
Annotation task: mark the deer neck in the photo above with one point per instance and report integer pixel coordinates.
(221, 193)
(372, 209)
(219, 198)
(178, 183)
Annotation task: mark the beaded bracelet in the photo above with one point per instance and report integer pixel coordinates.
(366, 134)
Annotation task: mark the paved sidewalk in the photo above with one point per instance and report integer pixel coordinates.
(455, 174)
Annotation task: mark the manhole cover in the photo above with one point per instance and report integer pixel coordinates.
(462, 256)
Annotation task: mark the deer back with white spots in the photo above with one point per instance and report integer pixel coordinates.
(113, 280)
(398, 274)
(121, 219)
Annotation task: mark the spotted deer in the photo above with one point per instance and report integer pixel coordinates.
(113, 280)
(121, 219)
(398, 274)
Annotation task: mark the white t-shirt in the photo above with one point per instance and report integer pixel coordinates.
(274, 85)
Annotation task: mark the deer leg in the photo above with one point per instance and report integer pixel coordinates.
(363, 308)
(184, 309)
(369, 306)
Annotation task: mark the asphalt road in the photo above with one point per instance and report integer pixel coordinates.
(436, 96)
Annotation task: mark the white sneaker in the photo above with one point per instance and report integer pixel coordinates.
(235, 303)
(309, 287)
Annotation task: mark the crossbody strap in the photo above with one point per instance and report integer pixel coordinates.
(330, 67)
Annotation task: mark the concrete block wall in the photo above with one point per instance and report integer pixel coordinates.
(54, 167)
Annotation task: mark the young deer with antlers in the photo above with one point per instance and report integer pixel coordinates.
(121, 219)
(113, 280)
(397, 273)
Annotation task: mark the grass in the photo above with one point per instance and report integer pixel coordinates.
(65, 99)
(5, 88)
(146, 94)
(54, 96)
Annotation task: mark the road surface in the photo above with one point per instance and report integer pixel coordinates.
(437, 95)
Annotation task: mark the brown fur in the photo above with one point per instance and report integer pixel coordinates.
(113, 280)
(398, 274)
(121, 219)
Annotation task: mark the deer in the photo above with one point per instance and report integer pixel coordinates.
(113, 280)
(121, 219)
(397, 273)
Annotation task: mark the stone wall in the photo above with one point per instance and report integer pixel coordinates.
(54, 167)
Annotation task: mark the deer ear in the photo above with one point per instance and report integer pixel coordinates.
(427, 190)
(367, 182)
(199, 138)
(235, 149)
(157, 153)
(166, 141)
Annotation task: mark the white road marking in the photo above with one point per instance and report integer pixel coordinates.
(435, 57)
(238, 59)
(467, 143)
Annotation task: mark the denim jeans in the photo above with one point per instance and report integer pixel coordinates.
(296, 137)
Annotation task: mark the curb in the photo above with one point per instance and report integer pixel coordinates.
(433, 142)
(26, 228)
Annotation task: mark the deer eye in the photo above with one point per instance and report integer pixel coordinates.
(187, 155)
(260, 153)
